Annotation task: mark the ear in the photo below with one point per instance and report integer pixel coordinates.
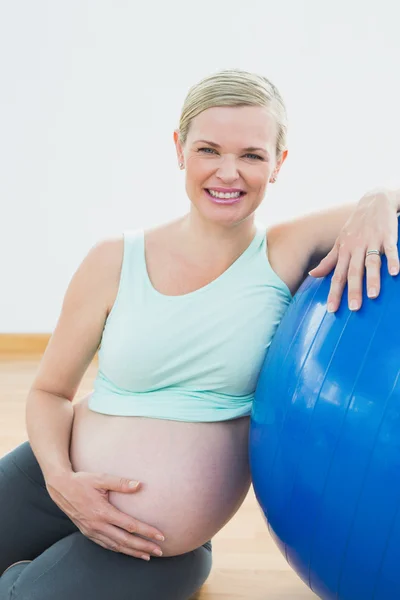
(178, 145)
(280, 162)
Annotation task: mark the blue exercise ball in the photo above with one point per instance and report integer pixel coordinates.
(324, 443)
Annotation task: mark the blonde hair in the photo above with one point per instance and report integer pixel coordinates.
(234, 87)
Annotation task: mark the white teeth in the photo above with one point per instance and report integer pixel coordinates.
(224, 196)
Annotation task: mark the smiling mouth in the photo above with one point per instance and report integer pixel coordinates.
(234, 197)
(225, 201)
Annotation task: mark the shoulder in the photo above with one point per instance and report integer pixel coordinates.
(290, 250)
(105, 259)
(107, 254)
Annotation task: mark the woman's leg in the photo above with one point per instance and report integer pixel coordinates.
(65, 562)
(30, 521)
(75, 567)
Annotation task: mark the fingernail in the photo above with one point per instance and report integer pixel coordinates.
(133, 484)
(353, 305)
(393, 271)
(372, 292)
(161, 538)
(157, 552)
(145, 557)
(330, 306)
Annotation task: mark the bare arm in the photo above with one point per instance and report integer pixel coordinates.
(323, 227)
(297, 246)
(49, 410)
(341, 237)
(82, 496)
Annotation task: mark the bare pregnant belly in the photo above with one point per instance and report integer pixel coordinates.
(194, 476)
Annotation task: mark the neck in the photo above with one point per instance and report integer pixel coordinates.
(214, 241)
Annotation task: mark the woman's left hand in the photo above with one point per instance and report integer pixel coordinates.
(372, 226)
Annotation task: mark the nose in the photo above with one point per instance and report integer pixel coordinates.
(227, 169)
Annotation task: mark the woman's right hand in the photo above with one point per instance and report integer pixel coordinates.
(83, 497)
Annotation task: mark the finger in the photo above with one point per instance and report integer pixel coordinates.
(326, 265)
(129, 542)
(120, 519)
(392, 255)
(116, 484)
(338, 282)
(109, 544)
(373, 266)
(355, 278)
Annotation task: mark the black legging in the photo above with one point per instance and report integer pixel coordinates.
(66, 564)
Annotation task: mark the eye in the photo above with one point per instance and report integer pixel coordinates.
(256, 156)
(202, 149)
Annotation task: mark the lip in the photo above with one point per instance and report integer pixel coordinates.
(225, 201)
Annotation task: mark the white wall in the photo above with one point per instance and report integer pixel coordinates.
(91, 91)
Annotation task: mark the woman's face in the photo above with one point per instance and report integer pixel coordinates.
(229, 149)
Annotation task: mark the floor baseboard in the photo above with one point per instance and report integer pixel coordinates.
(24, 343)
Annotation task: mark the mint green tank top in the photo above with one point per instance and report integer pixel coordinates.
(194, 357)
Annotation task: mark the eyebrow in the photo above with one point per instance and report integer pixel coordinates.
(250, 149)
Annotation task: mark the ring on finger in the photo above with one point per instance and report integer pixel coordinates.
(371, 253)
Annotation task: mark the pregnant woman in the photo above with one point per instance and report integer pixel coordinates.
(182, 316)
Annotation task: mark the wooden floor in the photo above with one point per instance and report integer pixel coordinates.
(247, 564)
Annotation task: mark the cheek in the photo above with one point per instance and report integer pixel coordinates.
(198, 170)
(260, 180)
